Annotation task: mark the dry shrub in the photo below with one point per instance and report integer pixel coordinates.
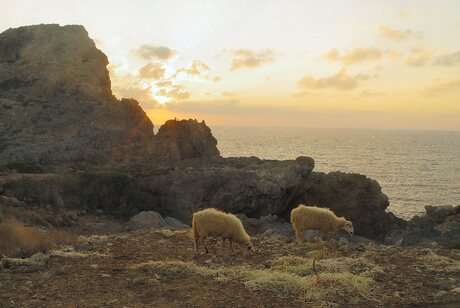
(441, 263)
(17, 240)
(174, 268)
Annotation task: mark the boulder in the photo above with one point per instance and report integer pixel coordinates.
(145, 220)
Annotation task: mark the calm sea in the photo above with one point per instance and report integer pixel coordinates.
(414, 168)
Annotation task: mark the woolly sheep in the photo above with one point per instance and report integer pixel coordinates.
(212, 222)
(315, 218)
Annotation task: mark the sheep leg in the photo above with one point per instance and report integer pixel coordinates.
(299, 235)
(231, 245)
(203, 242)
(196, 245)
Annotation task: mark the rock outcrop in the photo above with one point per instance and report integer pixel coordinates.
(249, 186)
(177, 140)
(46, 61)
(57, 107)
(440, 224)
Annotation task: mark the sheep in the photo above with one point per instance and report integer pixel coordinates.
(212, 222)
(315, 218)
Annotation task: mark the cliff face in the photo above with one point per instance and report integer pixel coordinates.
(48, 61)
(57, 107)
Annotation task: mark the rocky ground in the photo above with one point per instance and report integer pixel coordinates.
(108, 265)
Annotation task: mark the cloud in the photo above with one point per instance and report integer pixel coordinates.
(419, 57)
(216, 78)
(228, 93)
(301, 94)
(154, 71)
(197, 68)
(368, 93)
(227, 106)
(143, 95)
(450, 59)
(176, 93)
(403, 14)
(443, 87)
(340, 81)
(150, 52)
(244, 58)
(361, 55)
(397, 35)
(164, 83)
(355, 56)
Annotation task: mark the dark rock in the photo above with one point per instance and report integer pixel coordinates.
(439, 224)
(254, 189)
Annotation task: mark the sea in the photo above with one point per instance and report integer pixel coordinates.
(415, 168)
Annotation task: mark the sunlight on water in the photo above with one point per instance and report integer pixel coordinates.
(414, 168)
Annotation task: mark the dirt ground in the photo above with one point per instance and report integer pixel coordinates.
(158, 268)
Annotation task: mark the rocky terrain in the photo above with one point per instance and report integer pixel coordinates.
(107, 265)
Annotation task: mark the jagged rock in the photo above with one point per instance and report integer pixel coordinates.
(144, 220)
(440, 224)
(177, 140)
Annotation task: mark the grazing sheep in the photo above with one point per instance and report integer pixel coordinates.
(316, 218)
(211, 222)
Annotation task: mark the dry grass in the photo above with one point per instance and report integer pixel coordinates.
(17, 240)
(289, 276)
(441, 263)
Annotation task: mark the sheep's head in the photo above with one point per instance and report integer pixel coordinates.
(348, 227)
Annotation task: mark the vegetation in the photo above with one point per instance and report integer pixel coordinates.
(17, 240)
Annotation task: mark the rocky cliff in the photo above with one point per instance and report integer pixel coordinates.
(57, 106)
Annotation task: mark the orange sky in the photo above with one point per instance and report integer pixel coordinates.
(363, 64)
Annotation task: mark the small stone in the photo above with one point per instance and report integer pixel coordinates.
(440, 294)
(163, 241)
(343, 241)
(456, 290)
(39, 258)
(106, 275)
(29, 283)
(99, 212)
(139, 280)
(95, 266)
(209, 261)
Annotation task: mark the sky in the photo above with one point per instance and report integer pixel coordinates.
(337, 64)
